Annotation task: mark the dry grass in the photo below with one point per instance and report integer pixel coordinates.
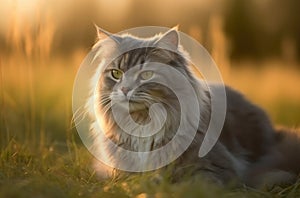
(273, 86)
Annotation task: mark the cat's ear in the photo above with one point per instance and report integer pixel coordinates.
(103, 34)
(170, 39)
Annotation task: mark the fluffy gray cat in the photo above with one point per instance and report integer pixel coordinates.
(249, 151)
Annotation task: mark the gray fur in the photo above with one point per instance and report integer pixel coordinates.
(249, 148)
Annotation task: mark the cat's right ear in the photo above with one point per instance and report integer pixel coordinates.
(170, 39)
(103, 34)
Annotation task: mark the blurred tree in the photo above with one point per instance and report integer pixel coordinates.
(242, 29)
(258, 29)
(293, 22)
(75, 25)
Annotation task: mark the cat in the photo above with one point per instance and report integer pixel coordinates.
(249, 150)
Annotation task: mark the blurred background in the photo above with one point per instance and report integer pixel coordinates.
(256, 44)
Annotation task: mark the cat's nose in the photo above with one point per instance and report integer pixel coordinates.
(125, 90)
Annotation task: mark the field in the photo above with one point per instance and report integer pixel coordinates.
(42, 156)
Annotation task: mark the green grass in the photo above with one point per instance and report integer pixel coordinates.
(42, 156)
(286, 113)
(52, 173)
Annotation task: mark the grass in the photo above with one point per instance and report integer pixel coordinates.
(50, 173)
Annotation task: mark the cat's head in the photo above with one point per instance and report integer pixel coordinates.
(136, 73)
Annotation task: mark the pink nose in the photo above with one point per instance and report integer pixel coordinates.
(125, 90)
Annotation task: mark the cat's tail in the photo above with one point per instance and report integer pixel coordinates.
(288, 144)
(282, 166)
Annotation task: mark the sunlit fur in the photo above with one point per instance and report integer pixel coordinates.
(249, 150)
(144, 96)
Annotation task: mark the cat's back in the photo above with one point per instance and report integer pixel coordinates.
(247, 129)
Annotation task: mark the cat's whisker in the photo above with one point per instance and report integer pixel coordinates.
(104, 101)
(78, 116)
(106, 108)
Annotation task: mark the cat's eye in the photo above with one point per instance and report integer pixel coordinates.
(116, 74)
(146, 75)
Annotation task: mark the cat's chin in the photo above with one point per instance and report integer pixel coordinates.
(132, 105)
(138, 111)
(135, 106)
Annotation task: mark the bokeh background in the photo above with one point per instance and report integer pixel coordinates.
(255, 43)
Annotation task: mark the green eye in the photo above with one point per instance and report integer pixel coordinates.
(116, 74)
(146, 75)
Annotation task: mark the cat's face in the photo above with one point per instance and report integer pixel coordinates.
(130, 80)
(132, 77)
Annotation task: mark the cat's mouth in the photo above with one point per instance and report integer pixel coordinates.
(133, 105)
(138, 110)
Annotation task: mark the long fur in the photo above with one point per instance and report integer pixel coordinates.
(249, 147)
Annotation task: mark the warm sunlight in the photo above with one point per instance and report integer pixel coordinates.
(115, 10)
(25, 7)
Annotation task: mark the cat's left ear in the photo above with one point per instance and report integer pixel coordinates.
(170, 39)
(103, 34)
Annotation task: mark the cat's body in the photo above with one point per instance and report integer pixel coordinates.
(248, 150)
